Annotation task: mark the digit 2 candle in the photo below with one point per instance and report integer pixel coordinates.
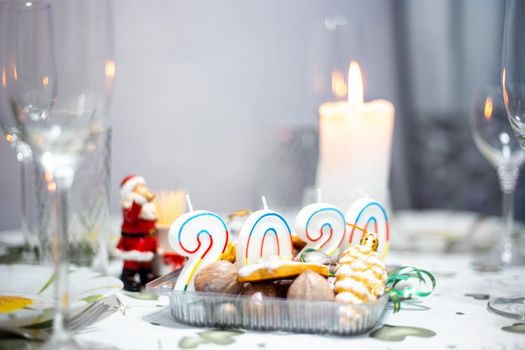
(322, 226)
(200, 235)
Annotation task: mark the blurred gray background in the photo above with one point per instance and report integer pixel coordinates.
(220, 97)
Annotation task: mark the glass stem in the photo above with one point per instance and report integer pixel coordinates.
(26, 233)
(508, 177)
(25, 158)
(60, 189)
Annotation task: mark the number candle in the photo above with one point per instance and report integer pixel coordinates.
(200, 235)
(253, 245)
(321, 225)
(368, 215)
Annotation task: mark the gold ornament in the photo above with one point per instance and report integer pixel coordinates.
(230, 253)
(360, 274)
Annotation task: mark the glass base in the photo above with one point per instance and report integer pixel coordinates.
(498, 259)
(61, 341)
(67, 342)
(508, 307)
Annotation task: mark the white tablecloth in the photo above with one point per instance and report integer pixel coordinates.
(459, 321)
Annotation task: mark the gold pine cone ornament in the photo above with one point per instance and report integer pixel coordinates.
(360, 274)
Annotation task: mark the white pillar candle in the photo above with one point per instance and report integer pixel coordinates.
(354, 145)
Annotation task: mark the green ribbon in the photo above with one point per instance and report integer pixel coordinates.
(409, 274)
(307, 250)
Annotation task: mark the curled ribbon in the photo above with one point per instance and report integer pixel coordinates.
(408, 274)
(307, 250)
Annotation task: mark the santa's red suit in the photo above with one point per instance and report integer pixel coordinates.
(138, 243)
(138, 233)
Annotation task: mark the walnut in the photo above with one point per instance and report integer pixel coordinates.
(310, 286)
(218, 277)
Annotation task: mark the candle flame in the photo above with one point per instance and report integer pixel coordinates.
(339, 87)
(355, 85)
(45, 80)
(489, 107)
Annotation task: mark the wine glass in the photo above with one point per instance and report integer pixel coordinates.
(494, 138)
(59, 72)
(513, 83)
(29, 226)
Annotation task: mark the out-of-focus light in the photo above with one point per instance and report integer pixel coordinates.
(29, 4)
(339, 87)
(489, 107)
(45, 80)
(504, 84)
(4, 78)
(48, 176)
(51, 186)
(504, 138)
(330, 23)
(110, 69)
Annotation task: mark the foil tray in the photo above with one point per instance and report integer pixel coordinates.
(268, 314)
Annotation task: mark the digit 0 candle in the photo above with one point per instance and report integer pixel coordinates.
(321, 225)
(368, 215)
(200, 235)
(264, 234)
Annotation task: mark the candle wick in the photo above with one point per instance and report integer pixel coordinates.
(188, 201)
(319, 195)
(265, 205)
(363, 193)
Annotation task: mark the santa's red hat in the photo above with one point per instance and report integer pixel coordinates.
(128, 184)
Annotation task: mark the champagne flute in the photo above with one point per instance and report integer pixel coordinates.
(493, 137)
(30, 228)
(59, 79)
(513, 84)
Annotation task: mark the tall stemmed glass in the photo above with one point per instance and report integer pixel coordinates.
(29, 226)
(513, 83)
(493, 137)
(59, 78)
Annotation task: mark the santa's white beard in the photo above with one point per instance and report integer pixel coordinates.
(148, 212)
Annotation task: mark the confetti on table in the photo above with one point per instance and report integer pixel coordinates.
(399, 333)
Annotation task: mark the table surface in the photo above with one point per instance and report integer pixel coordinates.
(459, 321)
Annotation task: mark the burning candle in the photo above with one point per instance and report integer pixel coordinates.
(321, 225)
(264, 234)
(200, 235)
(354, 144)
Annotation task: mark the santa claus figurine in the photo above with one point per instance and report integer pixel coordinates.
(138, 243)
